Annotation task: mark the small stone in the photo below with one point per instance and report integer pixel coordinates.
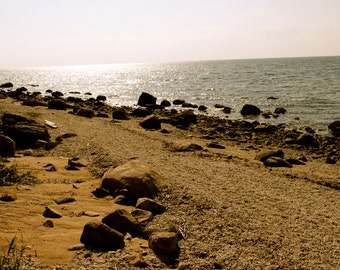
(150, 205)
(8, 197)
(277, 162)
(142, 216)
(76, 247)
(50, 213)
(139, 261)
(48, 223)
(215, 145)
(64, 200)
(91, 214)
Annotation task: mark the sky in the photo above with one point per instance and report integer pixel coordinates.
(77, 32)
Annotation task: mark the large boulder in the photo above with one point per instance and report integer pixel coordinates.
(25, 132)
(100, 236)
(6, 85)
(184, 118)
(306, 139)
(138, 178)
(57, 104)
(335, 128)
(145, 99)
(7, 146)
(151, 122)
(249, 109)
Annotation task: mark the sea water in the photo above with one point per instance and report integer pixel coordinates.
(308, 88)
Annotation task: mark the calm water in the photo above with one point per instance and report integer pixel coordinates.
(309, 88)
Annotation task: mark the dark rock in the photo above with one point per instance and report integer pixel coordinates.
(145, 99)
(48, 223)
(219, 106)
(7, 146)
(215, 145)
(8, 197)
(264, 155)
(153, 107)
(178, 102)
(48, 91)
(85, 112)
(65, 136)
(100, 236)
(150, 205)
(51, 213)
(273, 98)
(189, 105)
(71, 168)
(57, 94)
(119, 113)
(6, 85)
(25, 132)
(57, 104)
(151, 122)
(295, 161)
(33, 102)
(141, 112)
(75, 162)
(249, 109)
(121, 199)
(202, 108)
(101, 98)
(102, 115)
(226, 110)
(334, 127)
(280, 110)
(136, 177)
(100, 192)
(51, 145)
(164, 243)
(183, 119)
(122, 221)
(331, 160)
(166, 103)
(307, 140)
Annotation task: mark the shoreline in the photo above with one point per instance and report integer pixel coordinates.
(229, 206)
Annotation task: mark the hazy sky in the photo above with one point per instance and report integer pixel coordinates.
(74, 32)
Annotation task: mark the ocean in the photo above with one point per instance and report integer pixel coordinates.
(308, 88)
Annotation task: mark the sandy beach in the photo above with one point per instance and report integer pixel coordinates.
(230, 211)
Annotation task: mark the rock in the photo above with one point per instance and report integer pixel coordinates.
(280, 110)
(331, 160)
(249, 109)
(6, 85)
(295, 161)
(50, 168)
(102, 115)
(145, 99)
(100, 192)
(166, 103)
(101, 98)
(33, 102)
(164, 243)
(334, 127)
(215, 145)
(85, 112)
(50, 213)
(150, 205)
(183, 119)
(136, 177)
(276, 162)
(264, 155)
(71, 168)
(51, 145)
(25, 132)
(226, 110)
(178, 102)
(57, 104)
(139, 261)
(76, 247)
(202, 108)
(100, 236)
(57, 94)
(141, 112)
(142, 216)
(65, 136)
(122, 221)
(219, 106)
(75, 162)
(7, 146)
(8, 197)
(151, 122)
(48, 223)
(189, 105)
(307, 140)
(121, 199)
(63, 200)
(189, 147)
(119, 113)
